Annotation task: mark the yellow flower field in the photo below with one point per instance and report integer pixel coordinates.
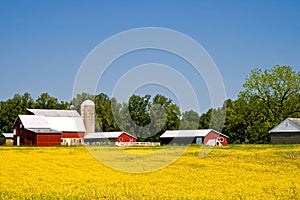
(230, 172)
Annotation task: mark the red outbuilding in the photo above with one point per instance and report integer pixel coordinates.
(109, 137)
(125, 137)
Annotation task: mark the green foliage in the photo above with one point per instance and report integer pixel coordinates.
(190, 120)
(2, 139)
(105, 107)
(268, 97)
(18, 105)
(10, 109)
(45, 101)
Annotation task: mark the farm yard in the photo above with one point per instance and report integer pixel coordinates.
(228, 172)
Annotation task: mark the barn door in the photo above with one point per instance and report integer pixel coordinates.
(199, 140)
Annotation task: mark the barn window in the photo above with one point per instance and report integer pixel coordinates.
(80, 141)
(131, 139)
(220, 139)
(121, 139)
(74, 141)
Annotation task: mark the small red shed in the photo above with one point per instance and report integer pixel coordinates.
(125, 137)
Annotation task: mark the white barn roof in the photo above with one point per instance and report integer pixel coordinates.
(103, 135)
(106, 135)
(287, 125)
(54, 120)
(54, 113)
(66, 124)
(33, 121)
(8, 135)
(189, 133)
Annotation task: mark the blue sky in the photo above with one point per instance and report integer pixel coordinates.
(43, 43)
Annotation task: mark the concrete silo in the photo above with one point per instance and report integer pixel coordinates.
(88, 115)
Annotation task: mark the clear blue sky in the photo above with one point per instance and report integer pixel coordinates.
(43, 43)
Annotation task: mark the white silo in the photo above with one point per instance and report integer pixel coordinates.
(88, 115)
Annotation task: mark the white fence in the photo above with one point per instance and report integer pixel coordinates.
(137, 143)
(122, 143)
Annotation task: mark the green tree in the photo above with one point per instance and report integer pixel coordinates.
(172, 112)
(190, 120)
(79, 99)
(10, 109)
(269, 96)
(45, 101)
(105, 120)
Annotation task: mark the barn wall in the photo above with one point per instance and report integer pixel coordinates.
(72, 138)
(285, 138)
(125, 138)
(26, 137)
(72, 135)
(213, 135)
(46, 139)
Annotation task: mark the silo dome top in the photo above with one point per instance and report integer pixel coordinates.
(88, 103)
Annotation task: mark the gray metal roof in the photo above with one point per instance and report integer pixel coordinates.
(43, 130)
(287, 125)
(54, 113)
(189, 133)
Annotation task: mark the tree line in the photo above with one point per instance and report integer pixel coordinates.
(268, 97)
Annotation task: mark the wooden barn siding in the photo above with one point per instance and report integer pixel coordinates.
(72, 135)
(48, 139)
(26, 137)
(213, 135)
(285, 138)
(126, 138)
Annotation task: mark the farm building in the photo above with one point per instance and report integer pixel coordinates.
(202, 136)
(287, 132)
(44, 127)
(8, 138)
(108, 137)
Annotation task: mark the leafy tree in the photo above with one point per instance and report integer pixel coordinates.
(136, 116)
(172, 113)
(268, 97)
(79, 99)
(104, 115)
(214, 118)
(45, 101)
(10, 109)
(190, 120)
(148, 118)
(278, 88)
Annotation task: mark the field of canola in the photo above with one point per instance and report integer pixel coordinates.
(230, 172)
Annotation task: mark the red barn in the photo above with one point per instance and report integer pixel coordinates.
(49, 128)
(203, 136)
(125, 137)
